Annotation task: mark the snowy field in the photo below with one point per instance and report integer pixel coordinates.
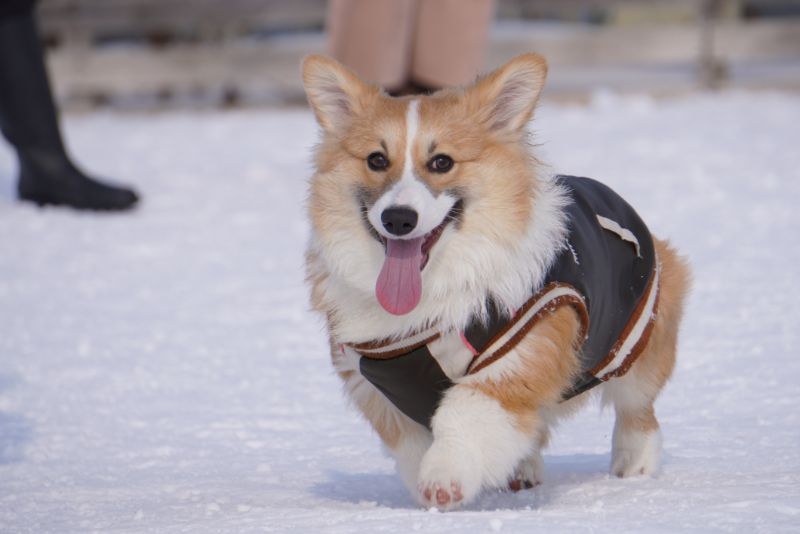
(161, 372)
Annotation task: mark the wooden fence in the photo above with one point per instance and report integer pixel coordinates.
(159, 52)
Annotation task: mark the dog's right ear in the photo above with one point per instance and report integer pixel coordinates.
(335, 93)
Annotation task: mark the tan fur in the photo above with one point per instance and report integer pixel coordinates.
(456, 122)
(657, 361)
(653, 368)
(371, 405)
(643, 420)
(549, 363)
(487, 164)
(315, 279)
(373, 408)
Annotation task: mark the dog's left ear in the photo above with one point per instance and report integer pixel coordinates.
(335, 93)
(507, 97)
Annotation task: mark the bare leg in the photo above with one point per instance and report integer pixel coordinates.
(373, 37)
(450, 42)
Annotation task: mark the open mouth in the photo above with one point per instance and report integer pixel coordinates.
(429, 239)
(399, 285)
(433, 236)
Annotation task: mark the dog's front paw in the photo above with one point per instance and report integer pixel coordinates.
(444, 498)
(448, 477)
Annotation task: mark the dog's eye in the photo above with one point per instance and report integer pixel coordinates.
(377, 161)
(440, 163)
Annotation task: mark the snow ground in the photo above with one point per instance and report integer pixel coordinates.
(160, 371)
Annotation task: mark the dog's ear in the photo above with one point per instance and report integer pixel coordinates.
(335, 93)
(506, 97)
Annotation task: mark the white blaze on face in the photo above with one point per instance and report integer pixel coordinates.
(410, 191)
(399, 285)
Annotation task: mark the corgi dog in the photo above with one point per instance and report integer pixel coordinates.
(471, 299)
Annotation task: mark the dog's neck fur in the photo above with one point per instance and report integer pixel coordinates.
(457, 282)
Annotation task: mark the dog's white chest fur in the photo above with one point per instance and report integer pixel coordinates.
(451, 354)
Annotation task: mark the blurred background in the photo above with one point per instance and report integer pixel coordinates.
(210, 53)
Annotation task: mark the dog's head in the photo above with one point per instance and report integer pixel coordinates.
(414, 198)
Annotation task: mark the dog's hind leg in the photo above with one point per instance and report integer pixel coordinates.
(636, 445)
(530, 471)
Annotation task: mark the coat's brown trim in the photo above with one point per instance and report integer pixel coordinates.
(638, 348)
(399, 351)
(629, 326)
(373, 345)
(376, 345)
(549, 307)
(530, 303)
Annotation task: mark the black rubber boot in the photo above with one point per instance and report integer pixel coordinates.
(29, 121)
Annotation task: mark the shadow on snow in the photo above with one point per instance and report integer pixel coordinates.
(387, 490)
(15, 430)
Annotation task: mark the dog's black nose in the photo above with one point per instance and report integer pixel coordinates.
(399, 220)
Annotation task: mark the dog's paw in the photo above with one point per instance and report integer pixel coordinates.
(636, 454)
(529, 473)
(447, 478)
(443, 498)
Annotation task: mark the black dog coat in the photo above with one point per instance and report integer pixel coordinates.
(606, 269)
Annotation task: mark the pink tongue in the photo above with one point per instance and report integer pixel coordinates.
(399, 285)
